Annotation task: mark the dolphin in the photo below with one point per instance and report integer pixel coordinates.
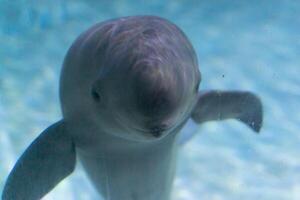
(128, 86)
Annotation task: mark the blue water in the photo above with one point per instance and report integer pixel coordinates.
(242, 45)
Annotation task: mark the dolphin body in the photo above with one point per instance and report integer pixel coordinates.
(127, 88)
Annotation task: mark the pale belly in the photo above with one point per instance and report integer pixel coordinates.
(141, 175)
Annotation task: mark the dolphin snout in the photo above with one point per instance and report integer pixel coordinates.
(158, 130)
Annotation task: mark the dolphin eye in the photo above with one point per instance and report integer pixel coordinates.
(96, 95)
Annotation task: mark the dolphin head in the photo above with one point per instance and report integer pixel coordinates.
(148, 78)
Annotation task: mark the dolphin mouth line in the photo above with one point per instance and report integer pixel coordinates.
(155, 132)
(151, 131)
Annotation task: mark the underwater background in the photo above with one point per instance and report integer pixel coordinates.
(241, 45)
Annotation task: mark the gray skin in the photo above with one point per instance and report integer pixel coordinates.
(135, 94)
(127, 88)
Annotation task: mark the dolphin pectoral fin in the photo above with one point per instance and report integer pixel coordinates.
(49, 159)
(220, 105)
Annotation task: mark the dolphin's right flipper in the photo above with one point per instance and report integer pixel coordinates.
(49, 159)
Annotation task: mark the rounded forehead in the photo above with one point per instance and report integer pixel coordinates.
(145, 49)
(129, 40)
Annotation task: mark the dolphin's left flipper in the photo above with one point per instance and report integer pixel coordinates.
(49, 159)
(219, 105)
